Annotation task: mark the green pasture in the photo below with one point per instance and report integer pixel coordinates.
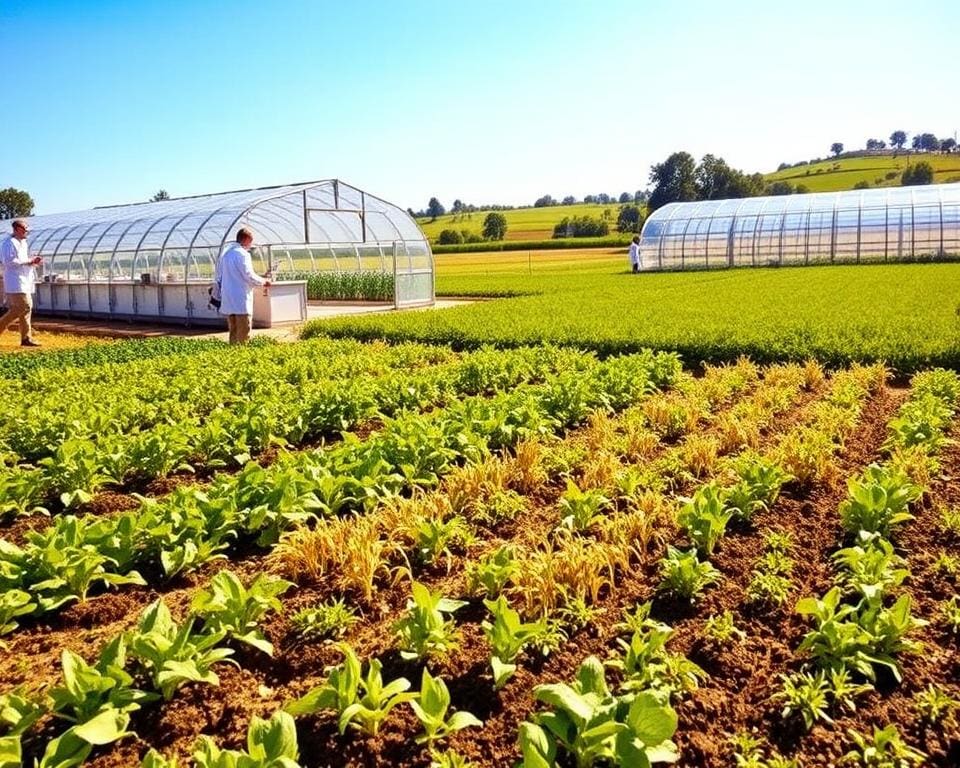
(522, 223)
(846, 173)
(904, 314)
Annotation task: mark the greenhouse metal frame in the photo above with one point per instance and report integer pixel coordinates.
(136, 249)
(859, 226)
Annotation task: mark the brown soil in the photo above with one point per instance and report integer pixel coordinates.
(736, 696)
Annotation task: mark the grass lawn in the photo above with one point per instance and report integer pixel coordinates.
(904, 314)
(845, 173)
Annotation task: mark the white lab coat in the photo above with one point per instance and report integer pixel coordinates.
(18, 274)
(634, 254)
(237, 280)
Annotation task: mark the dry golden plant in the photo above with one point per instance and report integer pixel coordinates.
(917, 464)
(600, 470)
(400, 516)
(735, 432)
(814, 376)
(353, 551)
(790, 375)
(574, 568)
(600, 432)
(807, 454)
(470, 485)
(525, 470)
(649, 519)
(668, 415)
(699, 454)
(639, 442)
(720, 382)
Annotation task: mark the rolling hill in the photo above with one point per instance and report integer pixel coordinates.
(880, 170)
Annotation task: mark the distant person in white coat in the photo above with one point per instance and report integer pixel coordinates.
(18, 281)
(635, 254)
(236, 279)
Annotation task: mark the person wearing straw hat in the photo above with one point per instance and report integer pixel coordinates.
(18, 281)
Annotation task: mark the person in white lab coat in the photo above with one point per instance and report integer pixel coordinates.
(18, 282)
(635, 254)
(236, 280)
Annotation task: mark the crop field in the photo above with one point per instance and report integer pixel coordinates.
(905, 314)
(520, 263)
(846, 172)
(338, 553)
(522, 223)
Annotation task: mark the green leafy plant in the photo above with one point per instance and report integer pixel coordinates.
(934, 704)
(646, 664)
(768, 587)
(434, 537)
(508, 636)
(581, 509)
(878, 501)
(490, 574)
(805, 695)
(884, 749)
(232, 609)
(270, 744)
(705, 516)
(450, 759)
(950, 521)
(14, 603)
(950, 614)
(870, 568)
(722, 631)
(684, 575)
(431, 705)
(423, 631)
(758, 486)
(173, 655)
(591, 725)
(331, 619)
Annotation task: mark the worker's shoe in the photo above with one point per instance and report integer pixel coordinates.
(4, 310)
(30, 343)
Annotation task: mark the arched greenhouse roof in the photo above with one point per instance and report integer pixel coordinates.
(869, 225)
(188, 233)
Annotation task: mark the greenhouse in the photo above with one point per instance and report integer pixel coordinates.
(155, 260)
(860, 226)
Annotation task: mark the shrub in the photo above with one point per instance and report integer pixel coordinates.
(581, 226)
(495, 226)
(862, 185)
(450, 237)
(921, 173)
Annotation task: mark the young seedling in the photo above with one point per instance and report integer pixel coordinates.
(430, 706)
(329, 620)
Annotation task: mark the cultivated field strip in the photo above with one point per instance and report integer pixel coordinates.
(410, 536)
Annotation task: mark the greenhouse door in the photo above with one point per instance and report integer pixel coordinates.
(412, 275)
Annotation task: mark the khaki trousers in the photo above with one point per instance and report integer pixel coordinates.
(20, 306)
(239, 326)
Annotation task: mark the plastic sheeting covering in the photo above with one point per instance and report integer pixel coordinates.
(871, 225)
(179, 240)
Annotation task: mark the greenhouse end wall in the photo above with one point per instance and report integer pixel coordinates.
(861, 226)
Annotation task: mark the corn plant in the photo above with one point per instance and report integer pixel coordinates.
(431, 704)
(331, 619)
(684, 575)
(878, 501)
(270, 744)
(884, 749)
(508, 636)
(234, 610)
(588, 723)
(424, 632)
(704, 517)
(172, 655)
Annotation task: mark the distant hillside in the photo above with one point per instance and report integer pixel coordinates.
(882, 170)
(522, 223)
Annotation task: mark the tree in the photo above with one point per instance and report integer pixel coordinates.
(836, 148)
(161, 195)
(450, 237)
(915, 144)
(629, 219)
(948, 145)
(718, 181)
(674, 180)
(873, 145)
(544, 202)
(929, 142)
(590, 198)
(625, 197)
(640, 196)
(898, 139)
(457, 206)
(920, 173)
(780, 188)
(495, 226)
(435, 209)
(15, 202)
(569, 200)
(603, 198)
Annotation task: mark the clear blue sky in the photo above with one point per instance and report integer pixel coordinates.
(109, 100)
